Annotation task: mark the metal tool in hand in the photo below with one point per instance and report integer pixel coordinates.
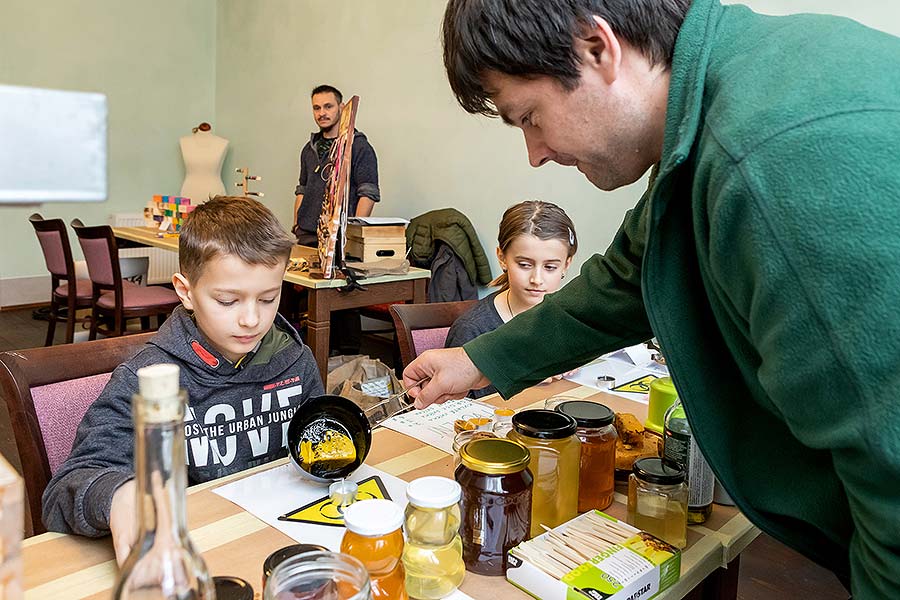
(409, 405)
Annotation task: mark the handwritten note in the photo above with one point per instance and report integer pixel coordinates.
(434, 425)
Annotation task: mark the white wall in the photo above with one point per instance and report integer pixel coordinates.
(155, 61)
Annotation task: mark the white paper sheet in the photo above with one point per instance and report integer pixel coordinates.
(627, 365)
(434, 425)
(281, 490)
(378, 221)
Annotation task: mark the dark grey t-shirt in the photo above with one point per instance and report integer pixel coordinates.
(481, 318)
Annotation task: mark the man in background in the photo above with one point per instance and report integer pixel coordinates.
(316, 168)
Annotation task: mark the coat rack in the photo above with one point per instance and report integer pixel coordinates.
(245, 184)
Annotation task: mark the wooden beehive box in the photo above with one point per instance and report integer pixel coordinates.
(370, 243)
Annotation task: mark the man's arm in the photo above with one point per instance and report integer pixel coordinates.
(365, 175)
(300, 190)
(364, 207)
(297, 204)
(79, 497)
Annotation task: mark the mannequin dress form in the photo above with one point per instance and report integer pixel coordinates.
(203, 155)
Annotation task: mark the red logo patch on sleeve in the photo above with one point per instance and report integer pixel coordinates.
(204, 354)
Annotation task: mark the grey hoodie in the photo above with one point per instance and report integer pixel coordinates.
(237, 418)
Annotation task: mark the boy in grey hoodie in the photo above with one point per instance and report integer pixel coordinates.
(244, 367)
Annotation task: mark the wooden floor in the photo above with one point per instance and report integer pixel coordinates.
(769, 570)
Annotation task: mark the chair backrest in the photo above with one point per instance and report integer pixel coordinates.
(101, 255)
(54, 240)
(47, 391)
(422, 327)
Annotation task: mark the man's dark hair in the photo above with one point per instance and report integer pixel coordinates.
(325, 89)
(530, 38)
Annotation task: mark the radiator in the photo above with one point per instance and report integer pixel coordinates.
(163, 263)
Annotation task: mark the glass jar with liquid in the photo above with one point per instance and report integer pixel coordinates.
(495, 508)
(555, 464)
(432, 556)
(657, 500)
(596, 483)
(318, 575)
(374, 536)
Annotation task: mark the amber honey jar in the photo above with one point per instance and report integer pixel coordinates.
(495, 507)
(555, 464)
(596, 480)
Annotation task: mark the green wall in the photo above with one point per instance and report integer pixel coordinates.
(155, 61)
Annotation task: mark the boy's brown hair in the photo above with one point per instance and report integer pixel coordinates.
(236, 226)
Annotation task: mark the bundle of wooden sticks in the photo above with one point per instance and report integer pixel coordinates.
(559, 552)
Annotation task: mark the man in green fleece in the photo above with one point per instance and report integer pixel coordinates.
(765, 255)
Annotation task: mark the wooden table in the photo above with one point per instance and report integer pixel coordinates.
(235, 542)
(325, 295)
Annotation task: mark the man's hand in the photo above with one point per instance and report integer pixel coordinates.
(451, 374)
(123, 520)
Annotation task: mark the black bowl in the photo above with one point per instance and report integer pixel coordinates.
(334, 412)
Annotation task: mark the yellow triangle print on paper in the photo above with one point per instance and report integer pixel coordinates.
(636, 386)
(324, 512)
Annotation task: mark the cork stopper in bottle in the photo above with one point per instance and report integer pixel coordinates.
(160, 398)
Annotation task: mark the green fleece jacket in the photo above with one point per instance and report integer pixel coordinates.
(765, 257)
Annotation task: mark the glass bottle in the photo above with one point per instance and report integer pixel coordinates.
(319, 575)
(495, 508)
(163, 563)
(374, 536)
(657, 500)
(596, 483)
(680, 448)
(432, 556)
(555, 464)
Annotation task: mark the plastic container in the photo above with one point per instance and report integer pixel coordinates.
(432, 556)
(374, 536)
(596, 482)
(495, 508)
(502, 424)
(657, 500)
(319, 575)
(555, 464)
(662, 396)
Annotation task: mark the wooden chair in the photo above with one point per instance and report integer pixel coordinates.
(113, 298)
(47, 391)
(421, 327)
(65, 289)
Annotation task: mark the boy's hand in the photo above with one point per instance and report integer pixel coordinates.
(123, 520)
(451, 373)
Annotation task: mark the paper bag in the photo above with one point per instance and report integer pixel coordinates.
(367, 382)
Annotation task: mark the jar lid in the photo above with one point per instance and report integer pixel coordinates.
(433, 492)
(544, 424)
(373, 517)
(282, 554)
(587, 414)
(654, 470)
(232, 588)
(494, 456)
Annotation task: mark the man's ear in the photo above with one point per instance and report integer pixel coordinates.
(599, 49)
(183, 289)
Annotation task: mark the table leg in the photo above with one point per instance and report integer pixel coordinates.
(721, 584)
(318, 329)
(419, 291)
